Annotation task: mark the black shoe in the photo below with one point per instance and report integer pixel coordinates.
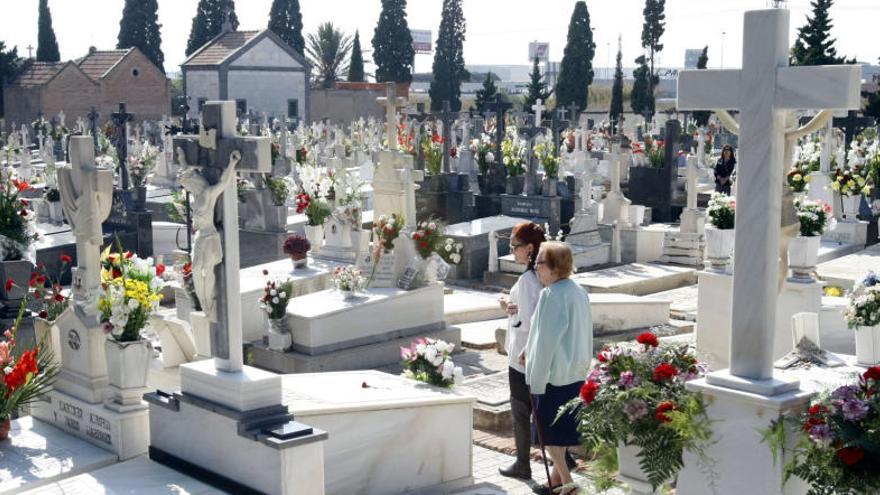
(516, 470)
(542, 490)
(570, 461)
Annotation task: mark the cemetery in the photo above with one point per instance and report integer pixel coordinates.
(210, 283)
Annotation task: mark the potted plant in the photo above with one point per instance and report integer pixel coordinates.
(544, 154)
(836, 437)
(432, 153)
(131, 297)
(276, 294)
(482, 148)
(863, 315)
(140, 167)
(348, 280)
(635, 406)
(17, 235)
(720, 235)
(428, 360)
(850, 182)
(297, 246)
(513, 153)
(52, 196)
(317, 211)
(279, 189)
(429, 242)
(803, 250)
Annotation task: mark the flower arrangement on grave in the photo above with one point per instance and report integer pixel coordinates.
(814, 216)
(838, 441)
(105, 156)
(17, 231)
(40, 124)
(636, 395)
(721, 210)
(186, 279)
(513, 152)
(275, 149)
(348, 279)
(655, 152)
(297, 246)
(851, 180)
(387, 230)
(10, 149)
(131, 296)
(863, 308)
(428, 360)
(406, 140)
(317, 210)
(301, 155)
(276, 294)
(142, 164)
(46, 290)
(432, 152)
(428, 237)
(176, 207)
(832, 291)
(483, 148)
(242, 186)
(52, 195)
(450, 251)
(544, 154)
(567, 141)
(798, 177)
(279, 188)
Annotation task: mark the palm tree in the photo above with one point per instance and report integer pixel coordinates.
(328, 53)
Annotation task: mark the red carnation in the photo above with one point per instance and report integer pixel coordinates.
(588, 391)
(66, 258)
(160, 269)
(44, 314)
(873, 373)
(23, 212)
(128, 255)
(851, 455)
(601, 357)
(59, 298)
(662, 409)
(9, 284)
(648, 339)
(664, 372)
(24, 202)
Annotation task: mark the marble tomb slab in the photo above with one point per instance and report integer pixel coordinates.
(637, 279)
(474, 236)
(847, 270)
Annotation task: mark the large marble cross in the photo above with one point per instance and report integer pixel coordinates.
(391, 102)
(538, 108)
(210, 161)
(765, 91)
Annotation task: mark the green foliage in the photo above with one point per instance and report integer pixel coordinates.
(47, 45)
(176, 208)
(448, 68)
(285, 20)
(10, 67)
(486, 95)
(616, 109)
(701, 118)
(279, 188)
(327, 52)
(356, 66)
(642, 101)
(208, 22)
(653, 28)
(139, 28)
(537, 88)
(576, 69)
(393, 52)
(814, 45)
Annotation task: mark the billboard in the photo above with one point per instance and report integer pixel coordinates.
(539, 50)
(691, 57)
(422, 40)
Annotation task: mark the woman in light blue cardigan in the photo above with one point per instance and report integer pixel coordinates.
(558, 353)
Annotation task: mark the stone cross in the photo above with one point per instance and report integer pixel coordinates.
(465, 126)
(764, 91)
(391, 102)
(499, 107)
(446, 118)
(557, 124)
(61, 118)
(87, 197)
(852, 124)
(538, 108)
(121, 119)
(210, 161)
(574, 110)
(93, 126)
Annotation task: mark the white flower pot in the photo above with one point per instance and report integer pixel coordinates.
(279, 336)
(631, 473)
(719, 246)
(349, 295)
(850, 207)
(637, 214)
(47, 335)
(315, 235)
(868, 345)
(201, 332)
(803, 255)
(127, 367)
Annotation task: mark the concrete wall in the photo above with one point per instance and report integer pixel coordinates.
(268, 91)
(202, 84)
(21, 104)
(265, 54)
(344, 106)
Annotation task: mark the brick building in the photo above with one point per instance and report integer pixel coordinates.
(101, 79)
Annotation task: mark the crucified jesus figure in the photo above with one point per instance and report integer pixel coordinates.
(207, 247)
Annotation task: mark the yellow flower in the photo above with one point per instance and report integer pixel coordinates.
(835, 186)
(833, 291)
(798, 177)
(807, 179)
(861, 181)
(866, 190)
(851, 184)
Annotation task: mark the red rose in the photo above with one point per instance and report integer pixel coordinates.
(65, 258)
(601, 357)
(9, 284)
(59, 298)
(648, 339)
(851, 455)
(662, 409)
(24, 202)
(43, 314)
(160, 269)
(873, 373)
(588, 391)
(128, 255)
(664, 372)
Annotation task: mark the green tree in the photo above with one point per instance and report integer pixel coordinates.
(536, 89)
(486, 95)
(208, 22)
(356, 66)
(701, 118)
(448, 68)
(576, 70)
(10, 67)
(642, 100)
(47, 45)
(393, 52)
(327, 52)
(814, 45)
(139, 28)
(652, 29)
(616, 109)
(285, 20)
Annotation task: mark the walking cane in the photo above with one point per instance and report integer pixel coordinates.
(540, 430)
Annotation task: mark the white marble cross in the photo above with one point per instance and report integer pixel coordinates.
(538, 108)
(764, 91)
(391, 102)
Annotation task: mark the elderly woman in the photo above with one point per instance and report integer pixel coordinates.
(557, 355)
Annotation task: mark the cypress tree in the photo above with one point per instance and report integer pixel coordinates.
(642, 101)
(393, 52)
(139, 28)
(449, 70)
(47, 45)
(652, 29)
(814, 45)
(486, 94)
(701, 118)
(576, 70)
(356, 66)
(285, 20)
(208, 22)
(616, 109)
(536, 89)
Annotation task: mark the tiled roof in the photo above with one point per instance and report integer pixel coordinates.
(97, 63)
(216, 51)
(39, 73)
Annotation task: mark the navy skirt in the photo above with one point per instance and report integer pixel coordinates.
(562, 432)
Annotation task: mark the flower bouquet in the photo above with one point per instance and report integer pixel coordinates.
(276, 294)
(427, 238)
(279, 189)
(17, 231)
(798, 177)
(429, 361)
(838, 448)
(850, 180)
(813, 216)
(483, 151)
(348, 280)
(432, 151)
(544, 154)
(567, 141)
(317, 210)
(189, 285)
(450, 251)
(142, 164)
(721, 211)
(131, 296)
(513, 152)
(636, 396)
(47, 291)
(297, 246)
(387, 230)
(863, 309)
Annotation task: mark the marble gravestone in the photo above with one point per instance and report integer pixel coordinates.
(744, 397)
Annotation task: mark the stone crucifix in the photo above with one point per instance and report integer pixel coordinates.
(209, 163)
(391, 102)
(121, 119)
(447, 116)
(765, 91)
(538, 108)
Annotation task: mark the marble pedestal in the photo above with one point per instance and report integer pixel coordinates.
(683, 249)
(474, 237)
(641, 244)
(796, 297)
(539, 209)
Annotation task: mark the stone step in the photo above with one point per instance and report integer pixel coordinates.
(637, 279)
(480, 334)
(468, 306)
(683, 302)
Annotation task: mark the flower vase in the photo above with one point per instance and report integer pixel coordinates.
(47, 336)
(299, 260)
(803, 255)
(315, 235)
(719, 245)
(548, 186)
(515, 184)
(139, 198)
(868, 345)
(5, 426)
(349, 295)
(56, 212)
(850, 207)
(631, 473)
(127, 366)
(279, 335)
